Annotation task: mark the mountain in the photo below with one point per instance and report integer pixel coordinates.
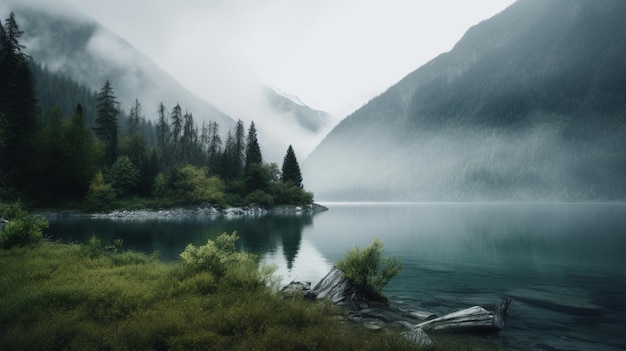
(286, 120)
(70, 44)
(88, 53)
(529, 105)
(314, 121)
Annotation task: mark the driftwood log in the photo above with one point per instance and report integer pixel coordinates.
(473, 319)
(363, 307)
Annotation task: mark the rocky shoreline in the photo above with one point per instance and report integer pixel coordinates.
(379, 314)
(205, 210)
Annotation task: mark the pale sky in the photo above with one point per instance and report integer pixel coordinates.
(335, 55)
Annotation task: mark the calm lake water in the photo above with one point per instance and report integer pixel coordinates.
(563, 264)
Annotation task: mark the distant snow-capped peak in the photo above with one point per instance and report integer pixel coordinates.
(292, 98)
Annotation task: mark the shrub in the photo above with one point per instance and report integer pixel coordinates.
(261, 198)
(124, 175)
(23, 228)
(368, 269)
(100, 194)
(219, 257)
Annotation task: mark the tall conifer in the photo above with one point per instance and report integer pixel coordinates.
(253, 151)
(18, 107)
(291, 169)
(106, 122)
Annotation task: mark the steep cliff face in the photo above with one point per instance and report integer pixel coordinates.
(529, 105)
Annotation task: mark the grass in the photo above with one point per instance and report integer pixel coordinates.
(62, 296)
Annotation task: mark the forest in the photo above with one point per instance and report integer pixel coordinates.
(63, 146)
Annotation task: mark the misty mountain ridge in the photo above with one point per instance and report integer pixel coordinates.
(78, 47)
(312, 120)
(90, 54)
(528, 105)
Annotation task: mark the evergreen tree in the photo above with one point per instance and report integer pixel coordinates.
(176, 127)
(80, 154)
(188, 139)
(291, 169)
(18, 107)
(255, 179)
(253, 151)
(214, 147)
(106, 122)
(177, 123)
(239, 138)
(134, 119)
(163, 134)
(226, 159)
(65, 157)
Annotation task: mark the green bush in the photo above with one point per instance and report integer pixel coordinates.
(23, 228)
(100, 194)
(368, 269)
(261, 198)
(219, 257)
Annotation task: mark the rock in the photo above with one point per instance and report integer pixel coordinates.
(298, 289)
(419, 337)
(375, 313)
(473, 319)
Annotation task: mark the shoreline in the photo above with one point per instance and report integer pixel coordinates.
(206, 210)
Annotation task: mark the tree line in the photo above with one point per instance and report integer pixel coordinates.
(52, 158)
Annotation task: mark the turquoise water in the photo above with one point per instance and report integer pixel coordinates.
(562, 263)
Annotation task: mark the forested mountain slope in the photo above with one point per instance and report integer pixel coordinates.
(88, 53)
(529, 105)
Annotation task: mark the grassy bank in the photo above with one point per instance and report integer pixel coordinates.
(69, 296)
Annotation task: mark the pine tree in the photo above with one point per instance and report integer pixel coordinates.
(291, 169)
(255, 177)
(134, 119)
(106, 122)
(238, 149)
(163, 134)
(214, 147)
(188, 138)
(18, 107)
(176, 126)
(253, 151)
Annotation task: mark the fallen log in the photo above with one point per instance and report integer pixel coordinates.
(373, 312)
(474, 319)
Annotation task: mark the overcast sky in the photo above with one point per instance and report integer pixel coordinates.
(334, 54)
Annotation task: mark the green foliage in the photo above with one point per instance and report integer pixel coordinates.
(106, 122)
(23, 228)
(291, 194)
(56, 298)
(260, 198)
(192, 184)
(368, 269)
(18, 108)
(124, 175)
(100, 194)
(218, 258)
(291, 168)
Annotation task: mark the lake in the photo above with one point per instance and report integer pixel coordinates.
(563, 263)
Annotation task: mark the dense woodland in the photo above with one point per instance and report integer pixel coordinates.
(62, 145)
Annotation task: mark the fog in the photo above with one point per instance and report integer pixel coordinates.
(69, 43)
(537, 163)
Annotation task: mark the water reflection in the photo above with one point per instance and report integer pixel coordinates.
(261, 235)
